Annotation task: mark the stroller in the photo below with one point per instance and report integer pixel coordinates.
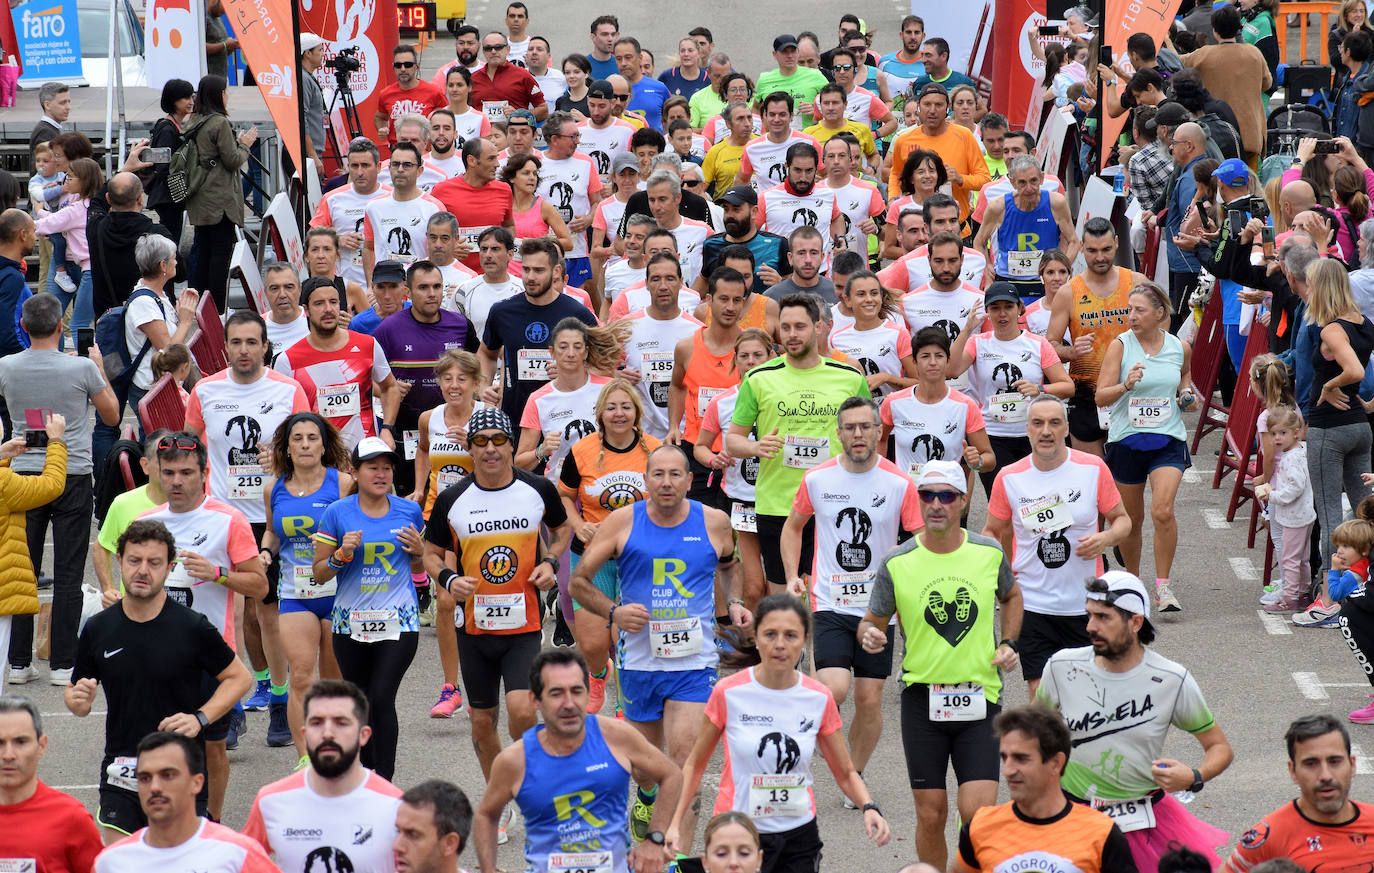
(1286, 126)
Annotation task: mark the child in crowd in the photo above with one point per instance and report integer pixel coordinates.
(46, 197)
(1269, 379)
(175, 359)
(1291, 510)
(83, 180)
(1357, 609)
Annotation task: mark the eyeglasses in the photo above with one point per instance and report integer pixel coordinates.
(692, 183)
(842, 68)
(182, 443)
(495, 48)
(481, 442)
(575, 137)
(622, 96)
(403, 65)
(861, 427)
(403, 165)
(945, 497)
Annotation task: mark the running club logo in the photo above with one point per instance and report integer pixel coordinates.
(853, 552)
(950, 328)
(1005, 375)
(498, 565)
(803, 217)
(398, 240)
(785, 753)
(603, 161)
(577, 429)
(561, 193)
(537, 332)
(327, 859)
(952, 619)
(249, 434)
(929, 446)
(620, 489)
(1037, 861)
(1053, 549)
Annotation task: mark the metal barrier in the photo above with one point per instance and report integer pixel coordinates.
(1326, 13)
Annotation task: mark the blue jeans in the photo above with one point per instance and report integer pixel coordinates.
(83, 313)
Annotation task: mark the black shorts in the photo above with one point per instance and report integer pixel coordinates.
(837, 645)
(1083, 424)
(273, 574)
(706, 483)
(218, 729)
(1133, 467)
(121, 811)
(794, 851)
(770, 545)
(930, 746)
(487, 660)
(1042, 635)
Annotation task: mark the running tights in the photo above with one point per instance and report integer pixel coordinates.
(377, 668)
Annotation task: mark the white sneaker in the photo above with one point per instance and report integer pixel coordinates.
(22, 675)
(501, 836)
(64, 281)
(1165, 600)
(1269, 597)
(849, 804)
(61, 677)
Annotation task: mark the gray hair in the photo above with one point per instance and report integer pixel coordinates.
(719, 58)
(1022, 162)
(415, 121)
(1082, 13)
(667, 177)
(730, 110)
(690, 167)
(13, 702)
(556, 120)
(666, 159)
(42, 315)
(1046, 397)
(150, 251)
(639, 219)
(1296, 259)
(1367, 237)
(49, 91)
(276, 267)
(857, 402)
(447, 219)
(365, 145)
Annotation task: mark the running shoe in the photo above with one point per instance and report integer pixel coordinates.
(1282, 605)
(60, 676)
(596, 697)
(1271, 595)
(238, 726)
(501, 836)
(64, 281)
(262, 695)
(22, 675)
(450, 699)
(639, 819)
(849, 804)
(1165, 601)
(278, 728)
(425, 606)
(1366, 715)
(1320, 615)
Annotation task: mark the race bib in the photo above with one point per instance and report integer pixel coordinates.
(1009, 406)
(468, 236)
(678, 638)
(851, 590)
(1046, 515)
(496, 109)
(1149, 411)
(374, 625)
(1023, 265)
(179, 577)
(1103, 417)
(658, 367)
(492, 612)
(306, 589)
(913, 470)
(532, 365)
(245, 481)
(123, 773)
(804, 452)
(339, 401)
(743, 518)
(1129, 815)
(18, 865)
(515, 255)
(778, 794)
(705, 394)
(580, 862)
(447, 477)
(964, 701)
(411, 440)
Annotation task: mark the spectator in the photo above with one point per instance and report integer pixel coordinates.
(1230, 70)
(1362, 280)
(312, 56)
(1216, 118)
(178, 98)
(56, 100)
(710, 100)
(84, 178)
(1351, 189)
(1189, 146)
(219, 45)
(43, 378)
(17, 237)
(935, 56)
(215, 208)
(1257, 29)
(577, 71)
(1149, 165)
(1354, 18)
(1198, 21)
(112, 240)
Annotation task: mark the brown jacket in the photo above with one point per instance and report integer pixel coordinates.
(19, 494)
(1236, 74)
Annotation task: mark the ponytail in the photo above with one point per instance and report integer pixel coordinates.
(169, 360)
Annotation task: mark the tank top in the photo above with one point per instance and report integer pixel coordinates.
(706, 376)
(1103, 319)
(755, 316)
(1151, 407)
(1323, 370)
(1023, 236)
(584, 813)
(602, 478)
(679, 592)
(293, 521)
(449, 460)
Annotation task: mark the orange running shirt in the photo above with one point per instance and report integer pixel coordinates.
(1103, 319)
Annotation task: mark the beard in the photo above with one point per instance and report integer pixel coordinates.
(467, 58)
(802, 188)
(737, 226)
(332, 768)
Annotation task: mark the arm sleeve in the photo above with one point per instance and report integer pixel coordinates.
(802, 501)
(1048, 357)
(1191, 712)
(367, 225)
(883, 600)
(380, 367)
(85, 842)
(1289, 483)
(242, 544)
(231, 154)
(1116, 853)
(322, 217)
(911, 507)
(1108, 497)
(212, 653)
(715, 707)
(30, 492)
(86, 665)
(570, 477)
(830, 719)
(194, 420)
(746, 407)
(328, 530)
(998, 504)
(1005, 577)
(255, 828)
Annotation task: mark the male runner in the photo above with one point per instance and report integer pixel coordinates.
(476, 296)
(477, 199)
(770, 250)
(761, 166)
(912, 270)
(947, 300)
(668, 550)
(1021, 226)
(415, 129)
(1120, 698)
(393, 224)
(604, 136)
(154, 658)
(860, 205)
(655, 333)
(286, 324)
(570, 777)
(387, 290)
(314, 814)
(792, 401)
(862, 504)
(799, 202)
(944, 585)
(441, 234)
(344, 207)
(433, 824)
(571, 181)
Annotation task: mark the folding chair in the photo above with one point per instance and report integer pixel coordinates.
(1208, 349)
(162, 407)
(1239, 449)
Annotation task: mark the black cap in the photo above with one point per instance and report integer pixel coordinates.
(784, 41)
(933, 88)
(309, 286)
(1170, 115)
(1001, 291)
(741, 195)
(388, 271)
(601, 90)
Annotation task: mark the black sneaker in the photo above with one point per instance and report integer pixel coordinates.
(278, 728)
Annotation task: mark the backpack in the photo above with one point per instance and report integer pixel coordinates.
(186, 172)
(120, 364)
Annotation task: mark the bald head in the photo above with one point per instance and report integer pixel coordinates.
(1190, 141)
(123, 192)
(16, 233)
(1297, 196)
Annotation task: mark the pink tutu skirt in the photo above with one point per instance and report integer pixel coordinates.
(1175, 826)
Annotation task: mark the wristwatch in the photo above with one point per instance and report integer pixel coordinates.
(221, 575)
(655, 837)
(551, 561)
(200, 717)
(1198, 784)
(872, 806)
(1011, 644)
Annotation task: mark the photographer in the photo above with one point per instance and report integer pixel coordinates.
(312, 96)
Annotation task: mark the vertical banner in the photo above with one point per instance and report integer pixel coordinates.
(361, 31)
(48, 40)
(174, 41)
(269, 47)
(1017, 73)
(1123, 18)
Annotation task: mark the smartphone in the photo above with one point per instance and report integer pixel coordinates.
(1327, 147)
(1049, 30)
(1259, 207)
(85, 338)
(1267, 238)
(1104, 55)
(156, 156)
(1235, 219)
(35, 439)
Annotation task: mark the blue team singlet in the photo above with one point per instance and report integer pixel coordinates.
(575, 806)
(293, 521)
(672, 571)
(1022, 237)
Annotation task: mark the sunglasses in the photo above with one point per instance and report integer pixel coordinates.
(403, 65)
(495, 48)
(182, 443)
(842, 68)
(481, 442)
(692, 183)
(945, 497)
(622, 96)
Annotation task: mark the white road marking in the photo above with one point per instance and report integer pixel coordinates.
(1310, 686)
(1244, 568)
(1362, 764)
(1215, 518)
(76, 787)
(1191, 476)
(1277, 625)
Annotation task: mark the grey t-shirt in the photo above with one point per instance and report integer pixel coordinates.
(314, 111)
(49, 379)
(825, 289)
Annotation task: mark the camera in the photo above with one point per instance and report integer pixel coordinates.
(1259, 207)
(346, 61)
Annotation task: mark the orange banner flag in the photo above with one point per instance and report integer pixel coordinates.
(1123, 18)
(264, 33)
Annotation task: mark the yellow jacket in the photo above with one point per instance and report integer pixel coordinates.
(18, 494)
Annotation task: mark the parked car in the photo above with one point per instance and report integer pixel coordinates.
(93, 18)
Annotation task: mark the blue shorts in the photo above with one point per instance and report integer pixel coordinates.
(579, 271)
(321, 606)
(606, 580)
(1133, 467)
(643, 692)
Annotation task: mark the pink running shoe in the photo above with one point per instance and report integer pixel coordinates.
(1366, 715)
(450, 699)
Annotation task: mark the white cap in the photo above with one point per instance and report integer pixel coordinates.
(943, 473)
(1124, 590)
(310, 41)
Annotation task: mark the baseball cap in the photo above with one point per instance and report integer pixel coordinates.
(943, 473)
(624, 161)
(524, 116)
(741, 195)
(932, 88)
(601, 90)
(1001, 291)
(310, 41)
(388, 271)
(490, 418)
(1122, 589)
(373, 447)
(784, 41)
(1233, 172)
(1170, 115)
